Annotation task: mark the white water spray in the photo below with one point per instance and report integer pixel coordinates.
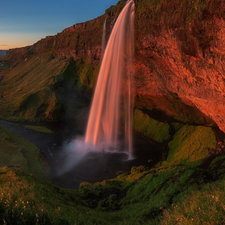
(117, 64)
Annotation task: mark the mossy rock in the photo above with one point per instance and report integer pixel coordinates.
(190, 144)
(150, 128)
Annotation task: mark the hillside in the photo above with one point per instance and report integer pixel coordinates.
(179, 61)
(179, 106)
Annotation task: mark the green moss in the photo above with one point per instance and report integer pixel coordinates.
(16, 151)
(152, 194)
(26, 200)
(160, 196)
(201, 206)
(176, 126)
(190, 144)
(39, 128)
(149, 127)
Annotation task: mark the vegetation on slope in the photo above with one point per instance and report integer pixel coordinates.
(176, 191)
(83, 44)
(160, 195)
(190, 144)
(18, 152)
(26, 89)
(163, 195)
(37, 89)
(150, 128)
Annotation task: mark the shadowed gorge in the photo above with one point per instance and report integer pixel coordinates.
(178, 130)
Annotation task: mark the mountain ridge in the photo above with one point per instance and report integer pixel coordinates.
(174, 56)
(179, 102)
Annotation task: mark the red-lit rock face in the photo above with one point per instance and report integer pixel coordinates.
(170, 70)
(180, 63)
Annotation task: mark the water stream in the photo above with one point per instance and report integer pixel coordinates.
(93, 166)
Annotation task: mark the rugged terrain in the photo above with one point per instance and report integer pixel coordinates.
(179, 60)
(179, 104)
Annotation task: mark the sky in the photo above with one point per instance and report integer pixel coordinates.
(24, 22)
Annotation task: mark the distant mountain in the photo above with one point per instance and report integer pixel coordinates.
(2, 53)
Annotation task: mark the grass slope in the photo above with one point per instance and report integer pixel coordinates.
(16, 151)
(27, 89)
(164, 195)
(37, 89)
(168, 194)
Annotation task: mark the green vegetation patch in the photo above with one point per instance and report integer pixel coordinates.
(164, 195)
(39, 129)
(26, 200)
(190, 144)
(149, 127)
(16, 151)
(146, 200)
(27, 89)
(204, 206)
(41, 86)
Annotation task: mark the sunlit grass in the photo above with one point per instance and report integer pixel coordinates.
(172, 195)
(203, 206)
(26, 200)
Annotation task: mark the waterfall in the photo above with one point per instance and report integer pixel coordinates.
(103, 39)
(116, 67)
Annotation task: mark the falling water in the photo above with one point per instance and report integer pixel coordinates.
(103, 39)
(117, 62)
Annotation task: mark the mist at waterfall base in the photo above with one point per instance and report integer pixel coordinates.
(104, 143)
(74, 163)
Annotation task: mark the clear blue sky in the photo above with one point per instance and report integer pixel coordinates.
(24, 22)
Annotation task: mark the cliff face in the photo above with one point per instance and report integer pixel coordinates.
(180, 51)
(181, 59)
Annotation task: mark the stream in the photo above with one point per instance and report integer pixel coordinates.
(65, 169)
